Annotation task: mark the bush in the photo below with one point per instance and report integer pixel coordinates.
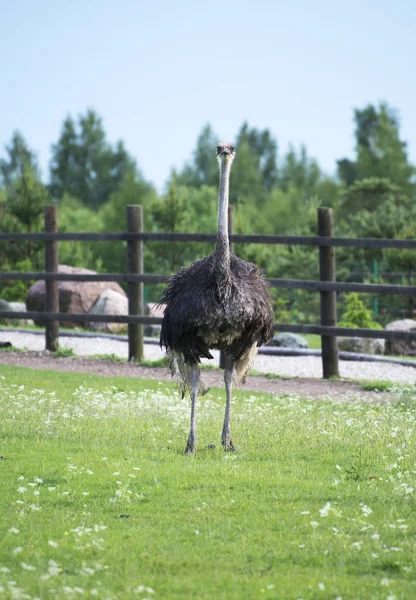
(15, 291)
(356, 314)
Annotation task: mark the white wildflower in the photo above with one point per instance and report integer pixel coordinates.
(324, 512)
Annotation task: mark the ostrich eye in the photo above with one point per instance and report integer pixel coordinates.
(232, 148)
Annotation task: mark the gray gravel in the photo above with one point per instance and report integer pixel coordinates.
(304, 366)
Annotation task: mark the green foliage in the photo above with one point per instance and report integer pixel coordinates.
(15, 291)
(380, 151)
(26, 199)
(132, 190)
(85, 165)
(63, 353)
(23, 206)
(356, 314)
(19, 159)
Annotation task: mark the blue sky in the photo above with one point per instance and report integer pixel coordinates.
(156, 72)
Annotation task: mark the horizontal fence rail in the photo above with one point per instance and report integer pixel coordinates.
(144, 320)
(297, 284)
(291, 240)
(134, 238)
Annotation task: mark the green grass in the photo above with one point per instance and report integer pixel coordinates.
(377, 385)
(64, 353)
(314, 341)
(98, 500)
(11, 349)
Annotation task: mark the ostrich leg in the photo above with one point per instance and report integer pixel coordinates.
(229, 374)
(195, 380)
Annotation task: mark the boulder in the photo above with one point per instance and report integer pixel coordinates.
(74, 296)
(401, 347)
(4, 305)
(361, 345)
(18, 307)
(109, 303)
(288, 340)
(15, 307)
(153, 309)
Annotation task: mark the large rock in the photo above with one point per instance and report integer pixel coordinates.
(109, 303)
(361, 345)
(74, 296)
(18, 307)
(401, 347)
(153, 309)
(288, 340)
(4, 305)
(15, 307)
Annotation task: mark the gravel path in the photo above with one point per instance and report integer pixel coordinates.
(305, 366)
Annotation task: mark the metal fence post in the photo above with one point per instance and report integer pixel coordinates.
(134, 216)
(327, 272)
(230, 231)
(51, 287)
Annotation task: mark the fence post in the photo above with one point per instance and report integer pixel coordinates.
(51, 287)
(327, 272)
(134, 216)
(230, 231)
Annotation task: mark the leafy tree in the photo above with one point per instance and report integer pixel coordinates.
(300, 171)
(76, 217)
(203, 168)
(405, 260)
(85, 165)
(23, 211)
(379, 150)
(112, 216)
(254, 173)
(19, 158)
(247, 187)
(356, 314)
(263, 149)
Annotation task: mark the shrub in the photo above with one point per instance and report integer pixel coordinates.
(357, 314)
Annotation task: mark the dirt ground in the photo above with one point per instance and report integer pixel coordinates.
(302, 387)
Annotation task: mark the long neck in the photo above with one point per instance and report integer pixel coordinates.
(222, 251)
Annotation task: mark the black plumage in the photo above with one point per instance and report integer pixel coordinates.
(201, 315)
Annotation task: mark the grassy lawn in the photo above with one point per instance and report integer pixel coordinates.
(98, 501)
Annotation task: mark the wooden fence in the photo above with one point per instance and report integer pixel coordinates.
(135, 237)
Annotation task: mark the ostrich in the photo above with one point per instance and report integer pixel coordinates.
(222, 302)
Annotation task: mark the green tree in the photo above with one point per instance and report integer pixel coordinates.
(18, 159)
(85, 165)
(379, 150)
(23, 209)
(134, 189)
(74, 216)
(299, 171)
(263, 149)
(405, 261)
(356, 314)
(203, 168)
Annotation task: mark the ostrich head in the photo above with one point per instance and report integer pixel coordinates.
(225, 152)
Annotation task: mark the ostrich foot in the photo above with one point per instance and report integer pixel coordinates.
(227, 443)
(190, 446)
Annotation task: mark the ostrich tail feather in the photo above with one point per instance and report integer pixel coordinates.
(244, 364)
(181, 371)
